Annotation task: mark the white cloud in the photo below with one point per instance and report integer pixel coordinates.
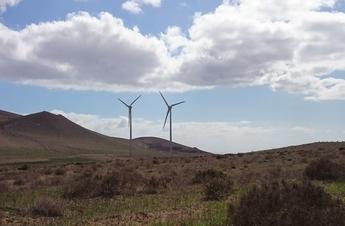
(217, 137)
(4, 4)
(134, 6)
(287, 45)
(83, 52)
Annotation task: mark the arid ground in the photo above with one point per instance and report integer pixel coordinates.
(150, 191)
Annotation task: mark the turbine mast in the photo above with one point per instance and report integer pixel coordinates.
(170, 146)
(130, 130)
(130, 106)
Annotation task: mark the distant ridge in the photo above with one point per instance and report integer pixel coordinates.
(5, 116)
(45, 133)
(160, 144)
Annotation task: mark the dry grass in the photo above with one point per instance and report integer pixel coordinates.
(46, 207)
(125, 188)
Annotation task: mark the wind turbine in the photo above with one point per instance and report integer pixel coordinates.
(130, 106)
(169, 112)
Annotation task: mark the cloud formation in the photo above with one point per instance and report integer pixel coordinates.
(135, 6)
(4, 4)
(216, 137)
(286, 45)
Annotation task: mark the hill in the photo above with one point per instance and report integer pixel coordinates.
(5, 116)
(160, 144)
(48, 135)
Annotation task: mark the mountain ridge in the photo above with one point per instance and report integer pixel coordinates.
(48, 133)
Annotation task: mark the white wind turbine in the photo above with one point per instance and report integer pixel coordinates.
(169, 112)
(130, 106)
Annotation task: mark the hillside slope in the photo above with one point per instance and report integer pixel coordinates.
(5, 116)
(47, 134)
(155, 143)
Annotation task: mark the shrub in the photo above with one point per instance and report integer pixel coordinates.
(4, 187)
(47, 171)
(202, 177)
(217, 189)
(23, 167)
(19, 181)
(154, 184)
(108, 185)
(287, 205)
(46, 207)
(324, 169)
(60, 171)
(80, 188)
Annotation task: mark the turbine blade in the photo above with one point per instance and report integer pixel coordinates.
(135, 100)
(164, 99)
(123, 102)
(166, 118)
(178, 103)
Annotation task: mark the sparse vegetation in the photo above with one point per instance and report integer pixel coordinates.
(108, 185)
(46, 207)
(81, 187)
(287, 204)
(325, 169)
(204, 176)
(167, 191)
(59, 171)
(217, 189)
(23, 167)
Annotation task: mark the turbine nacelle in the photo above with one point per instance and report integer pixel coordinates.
(129, 106)
(170, 107)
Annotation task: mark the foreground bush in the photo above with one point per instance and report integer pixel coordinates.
(287, 205)
(80, 188)
(108, 185)
(202, 177)
(155, 184)
(4, 187)
(324, 169)
(46, 207)
(217, 189)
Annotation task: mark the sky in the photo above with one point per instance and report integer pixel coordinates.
(254, 74)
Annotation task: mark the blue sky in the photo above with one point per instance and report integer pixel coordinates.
(274, 87)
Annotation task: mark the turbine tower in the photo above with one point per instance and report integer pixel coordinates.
(129, 106)
(169, 112)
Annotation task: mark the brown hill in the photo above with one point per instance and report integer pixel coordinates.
(155, 143)
(47, 134)
(5, 116)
